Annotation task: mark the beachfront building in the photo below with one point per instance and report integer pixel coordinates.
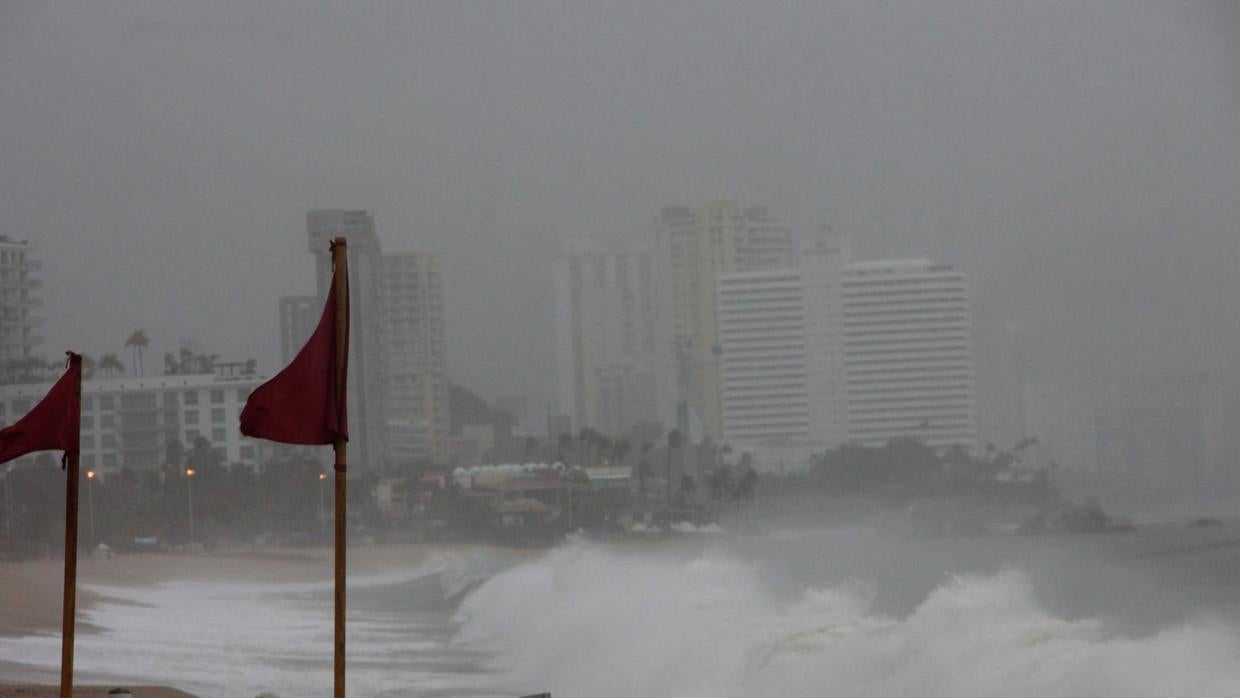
(366, 402)
(414, 350)
(130, 422)
(781, 361)
(605, 337)
(19, 323)
(836, 351)
(696, 247)
(299, 315)
(908, 348)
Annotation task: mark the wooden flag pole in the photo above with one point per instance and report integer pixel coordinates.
(341, 274)
(69, 608)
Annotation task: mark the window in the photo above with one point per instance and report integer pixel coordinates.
(107, 402)
(217, 415)
(217, 396)
(107, 421)
(191, 435)
(90, 402)
(191, 397)
(191, 416)
(243, 394)
(88, 461)
(21, 406)
(88, 441)
(247, 452)
(217, 434)
(109, 460)
(109, 441)
(88, 422)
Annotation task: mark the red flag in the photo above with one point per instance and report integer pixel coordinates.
(303, 404)
(54, 424)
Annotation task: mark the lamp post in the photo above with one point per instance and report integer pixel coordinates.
(189, 489)
(322, 515)
(90, 503)
(8, 508)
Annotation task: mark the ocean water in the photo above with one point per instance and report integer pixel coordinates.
(862, 611)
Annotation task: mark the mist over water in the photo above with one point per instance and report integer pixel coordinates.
(752, 620)
(867, 610)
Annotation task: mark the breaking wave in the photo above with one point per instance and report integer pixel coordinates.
(585, 620)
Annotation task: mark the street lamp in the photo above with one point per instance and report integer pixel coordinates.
(90, 503)
(322, 513)
(8, 508)
(189, 489)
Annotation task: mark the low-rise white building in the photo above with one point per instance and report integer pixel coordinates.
(129, 422)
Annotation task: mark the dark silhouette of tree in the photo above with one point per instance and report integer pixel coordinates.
(674, 440)
(137, 344)
(110, 365)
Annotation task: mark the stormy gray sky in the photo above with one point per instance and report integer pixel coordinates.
(1081, 161)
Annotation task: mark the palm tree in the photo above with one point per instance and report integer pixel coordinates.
(137, 343)
(109, 363)
(88, 367)
(673, 441)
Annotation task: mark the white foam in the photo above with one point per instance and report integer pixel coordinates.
(587, 621)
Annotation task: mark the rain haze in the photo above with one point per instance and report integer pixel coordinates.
(1072, 171)
(1080, 163)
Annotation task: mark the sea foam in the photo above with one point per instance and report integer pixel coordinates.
(585, 620)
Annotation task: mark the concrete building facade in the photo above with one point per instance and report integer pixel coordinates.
(299, 315)
(19, 286)
(414, 351)
(696, 247)
(605, 337)
(367, 424)
(836, 351)
(129, 422)
(908, 348)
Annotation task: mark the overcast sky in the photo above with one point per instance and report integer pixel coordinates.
(1080, 160)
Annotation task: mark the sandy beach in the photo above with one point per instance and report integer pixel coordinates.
(31, 592)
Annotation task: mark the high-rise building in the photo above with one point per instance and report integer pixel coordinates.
(367, 422)
(781, 361)
(908, 346)
(836, 351)
(414, 348)
(19, 338)
(606, 341)
(299, 315)
(695, 248)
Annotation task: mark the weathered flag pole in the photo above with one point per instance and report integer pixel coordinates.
(71, 531)
(307, 403)
(339, 445)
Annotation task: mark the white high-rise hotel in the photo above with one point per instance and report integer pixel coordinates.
(803, 354)
(836, 351)
(605, 333)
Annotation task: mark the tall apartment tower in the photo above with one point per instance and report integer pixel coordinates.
(299, 315)
(836, 351)
(366, 375)
(695, 247)
(908, 346)
(18, 299)
(414, 347)
(605, 334)
(782, 363)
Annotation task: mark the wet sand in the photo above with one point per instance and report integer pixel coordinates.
(31, 691)
(31, 592)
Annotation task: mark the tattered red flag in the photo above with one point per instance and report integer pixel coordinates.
(304, 403)
(54, 424)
